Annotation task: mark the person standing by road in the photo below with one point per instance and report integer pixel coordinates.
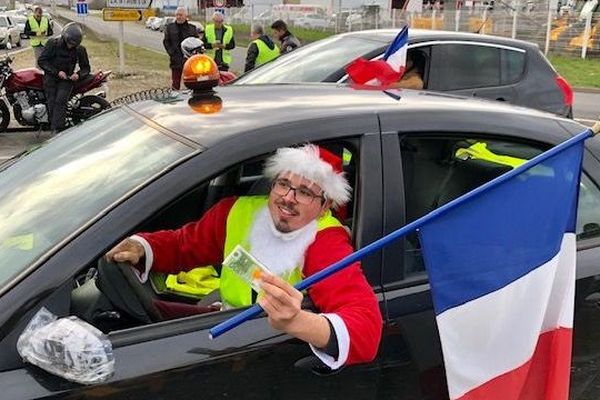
(261, 49)
(219, 41)
(288, 41)
(175, 33)
(58, 60)
(38, 28)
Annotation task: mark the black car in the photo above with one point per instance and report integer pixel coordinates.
(469, 64)
(158, 164)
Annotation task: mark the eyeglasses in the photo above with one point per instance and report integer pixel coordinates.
(302, 195)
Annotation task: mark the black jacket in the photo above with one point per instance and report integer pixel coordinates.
(29, 32)
(174, 35)
(253, 52)
(289, 42)
(58, 57)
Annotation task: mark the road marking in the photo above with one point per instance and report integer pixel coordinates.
(586, 121)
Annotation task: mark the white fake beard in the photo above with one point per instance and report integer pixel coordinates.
(280, 252)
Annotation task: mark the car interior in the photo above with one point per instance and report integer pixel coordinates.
(111, 297)
(435, 175)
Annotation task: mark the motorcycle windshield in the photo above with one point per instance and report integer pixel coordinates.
(57, 190)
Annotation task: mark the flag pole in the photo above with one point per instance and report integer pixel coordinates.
(256, 309)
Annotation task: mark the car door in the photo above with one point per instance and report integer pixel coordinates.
(176, 359)
(477, 69)
(430, 177)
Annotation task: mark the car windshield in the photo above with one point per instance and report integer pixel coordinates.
(56, 190)
(312, 63)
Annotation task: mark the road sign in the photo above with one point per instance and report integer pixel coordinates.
(82, 8)
(219, 3)
(121, 14)
(128, 3)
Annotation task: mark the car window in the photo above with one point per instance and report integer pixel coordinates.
(437, 170)
(312, 63)
(513, 66)
(54, 191)
(3, 22)
(467, 66)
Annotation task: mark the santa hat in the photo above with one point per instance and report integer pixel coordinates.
(315, 164)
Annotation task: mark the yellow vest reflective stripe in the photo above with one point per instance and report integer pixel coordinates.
(35, 27)
(211, 37)
(234, 291)
(479, 151)
(265, 54)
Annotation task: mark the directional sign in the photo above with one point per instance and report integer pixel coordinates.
(82, 8)
(121, 14)
(128, 3)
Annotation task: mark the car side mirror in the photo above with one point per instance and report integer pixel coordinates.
(8, 46)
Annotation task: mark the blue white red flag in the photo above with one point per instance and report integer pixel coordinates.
(502, 272)
(384, 72)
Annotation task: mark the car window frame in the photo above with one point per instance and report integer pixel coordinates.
(67, 262)
(435, 76)
(396, 191)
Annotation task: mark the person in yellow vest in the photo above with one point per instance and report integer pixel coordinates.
(261, 49)
(219, 41)
(38, 28)
(293, 233)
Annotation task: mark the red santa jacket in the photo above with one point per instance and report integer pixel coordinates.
(346, 293)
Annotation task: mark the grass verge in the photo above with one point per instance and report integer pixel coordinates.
(577, 71)
(144, 69)
(242, 34)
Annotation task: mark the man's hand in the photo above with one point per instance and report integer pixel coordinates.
(280, 300)
(39, 33)
(74, 77)
(218, 46)
(127, 251)
(62, 74)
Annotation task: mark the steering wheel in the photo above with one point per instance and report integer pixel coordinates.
(121, 286)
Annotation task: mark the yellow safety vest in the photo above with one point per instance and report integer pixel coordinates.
(265, 54)
(42, 27)
(211, 37)
(234, 291)
(479, 151)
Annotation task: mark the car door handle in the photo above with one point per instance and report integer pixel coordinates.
(316, 366)
(501, 99)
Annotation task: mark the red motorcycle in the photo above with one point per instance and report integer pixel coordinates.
(24, 91)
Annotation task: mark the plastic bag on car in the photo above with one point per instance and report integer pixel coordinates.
(67, 347)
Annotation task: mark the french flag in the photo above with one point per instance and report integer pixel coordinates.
(502, 272)
(382, 72)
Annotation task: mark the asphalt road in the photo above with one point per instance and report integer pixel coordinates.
(587, 106)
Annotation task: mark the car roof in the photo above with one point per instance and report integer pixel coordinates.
(421, 35)
(247, 108)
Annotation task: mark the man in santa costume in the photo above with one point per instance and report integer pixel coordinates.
(293, 233)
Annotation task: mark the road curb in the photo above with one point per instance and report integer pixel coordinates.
(586, 90)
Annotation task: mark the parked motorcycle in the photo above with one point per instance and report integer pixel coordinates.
(24, 92)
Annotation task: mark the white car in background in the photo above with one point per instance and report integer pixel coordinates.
(20, 21)
(155, 25)
(149, 22)
(313, 21)
(9, 33)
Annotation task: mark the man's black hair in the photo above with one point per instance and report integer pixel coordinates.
(279, 25)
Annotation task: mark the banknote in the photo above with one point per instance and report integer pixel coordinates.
(247, 267)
